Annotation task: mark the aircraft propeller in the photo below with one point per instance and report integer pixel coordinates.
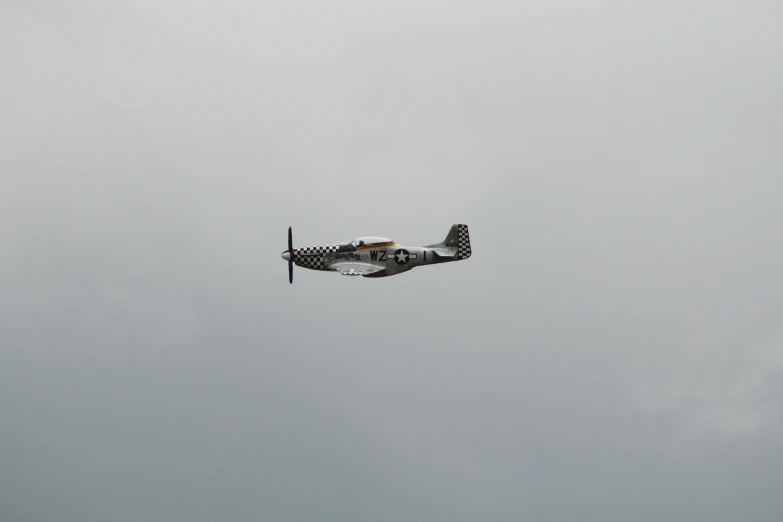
(290, 256)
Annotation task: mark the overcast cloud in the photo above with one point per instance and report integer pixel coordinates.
(613, 351)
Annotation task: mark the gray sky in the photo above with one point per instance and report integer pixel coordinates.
(613, 350)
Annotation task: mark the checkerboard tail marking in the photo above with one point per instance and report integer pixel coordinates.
(463, 242)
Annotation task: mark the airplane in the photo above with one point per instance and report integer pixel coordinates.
(376, 256)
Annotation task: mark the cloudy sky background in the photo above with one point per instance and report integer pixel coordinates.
(612, 351)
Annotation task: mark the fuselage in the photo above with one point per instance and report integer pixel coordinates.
(390, 256)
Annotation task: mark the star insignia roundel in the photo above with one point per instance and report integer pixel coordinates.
(401, 256)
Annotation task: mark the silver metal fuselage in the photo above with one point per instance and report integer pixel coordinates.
(390, 259)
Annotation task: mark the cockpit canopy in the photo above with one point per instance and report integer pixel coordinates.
(350, 246)
(370, 241)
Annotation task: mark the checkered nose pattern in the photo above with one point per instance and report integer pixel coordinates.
(463, 242)
(313, 256)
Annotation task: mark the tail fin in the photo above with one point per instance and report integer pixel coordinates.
(458, 239)
(463, 242)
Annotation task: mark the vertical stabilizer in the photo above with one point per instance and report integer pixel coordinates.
(455, 247)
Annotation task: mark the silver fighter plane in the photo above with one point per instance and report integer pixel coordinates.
(377, 256)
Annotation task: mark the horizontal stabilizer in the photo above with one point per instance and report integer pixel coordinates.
(445, 254)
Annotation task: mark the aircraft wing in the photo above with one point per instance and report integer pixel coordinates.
(355, 269)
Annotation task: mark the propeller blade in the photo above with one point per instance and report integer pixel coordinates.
(290, 256)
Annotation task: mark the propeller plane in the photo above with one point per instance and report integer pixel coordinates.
(376, 256)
